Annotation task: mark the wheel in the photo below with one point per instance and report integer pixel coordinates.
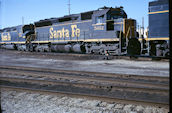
(83, 49)
(101, 51)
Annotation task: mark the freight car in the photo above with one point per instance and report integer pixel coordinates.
(97, 31)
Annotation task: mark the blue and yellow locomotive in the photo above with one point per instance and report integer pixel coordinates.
(10, 36)
(158, 35)
(14, 37)
(105, 29)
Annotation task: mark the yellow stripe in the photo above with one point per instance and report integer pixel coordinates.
(160, 38)
(165, 11)
(105, 23)
(64, 24)
(9, 31)
(40, 41)
(99, 40)
(118, 23)
(87, 40)
(5, 42)
(2, 42)
(98, 24)
(12, 42)
(19, 42)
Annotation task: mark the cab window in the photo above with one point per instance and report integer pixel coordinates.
(99, 19)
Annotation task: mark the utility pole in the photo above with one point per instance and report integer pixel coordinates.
(22, 20)
(0, 14)
(143, 26)
(69, 7)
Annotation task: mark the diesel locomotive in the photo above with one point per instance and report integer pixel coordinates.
(158, 35)
(99, 31)
(105, 29)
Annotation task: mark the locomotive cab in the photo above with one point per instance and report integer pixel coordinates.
(113, 15)
(125, 31)
(28, 30)
(29, 35)
(113, 24)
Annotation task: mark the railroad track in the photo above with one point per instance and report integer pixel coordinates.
(79, 56)
(144, 89)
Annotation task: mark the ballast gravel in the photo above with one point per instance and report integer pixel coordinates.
(35, 102)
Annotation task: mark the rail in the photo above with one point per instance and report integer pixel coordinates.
(143, 89)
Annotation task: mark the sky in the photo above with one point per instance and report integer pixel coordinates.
(12, 11)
